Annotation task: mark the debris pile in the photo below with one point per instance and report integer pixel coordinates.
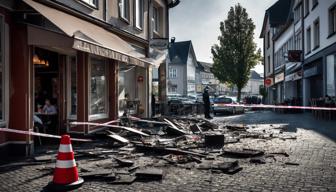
(143, 149)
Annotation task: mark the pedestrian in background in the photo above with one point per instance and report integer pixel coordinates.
(206, 102)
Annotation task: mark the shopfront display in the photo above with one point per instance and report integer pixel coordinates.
(331, 75)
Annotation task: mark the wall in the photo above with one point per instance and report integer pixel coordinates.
(268, 51)
(191, 74)
(252, 86)
(284, 37)
(321, 12)
(180, 78)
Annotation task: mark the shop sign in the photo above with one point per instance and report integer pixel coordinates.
(140, 79)
(294, 76)
(297, 76)
(279, 77)
(268, 82)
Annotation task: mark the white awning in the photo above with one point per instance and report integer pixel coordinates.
(91, 38)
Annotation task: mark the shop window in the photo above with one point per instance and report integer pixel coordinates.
(331, 75)
(72, 87)
(332, 20)
(98, 89)
(2, 74)
(124, 8)
(139, 13)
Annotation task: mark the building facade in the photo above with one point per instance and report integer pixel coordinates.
(251, 88)
(85, 56)
(181, 68)
(303, 50)
(206, 78)
(320, 49)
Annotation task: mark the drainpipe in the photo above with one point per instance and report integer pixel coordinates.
(303, 53)
(265, 68)
(273, 71)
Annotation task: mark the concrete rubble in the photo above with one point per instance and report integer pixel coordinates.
(141, 149)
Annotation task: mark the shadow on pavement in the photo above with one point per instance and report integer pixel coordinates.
(294, 121)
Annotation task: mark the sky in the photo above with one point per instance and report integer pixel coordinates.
(198, 21)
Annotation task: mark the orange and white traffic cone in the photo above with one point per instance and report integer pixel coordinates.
(65, 173)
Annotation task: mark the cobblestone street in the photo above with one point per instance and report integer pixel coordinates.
(310, 166)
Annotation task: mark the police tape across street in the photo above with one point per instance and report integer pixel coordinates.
(277, 107)
(39, 134)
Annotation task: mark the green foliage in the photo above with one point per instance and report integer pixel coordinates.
(236, 53)
(262, 91)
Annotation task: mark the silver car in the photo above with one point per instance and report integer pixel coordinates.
(218, 106)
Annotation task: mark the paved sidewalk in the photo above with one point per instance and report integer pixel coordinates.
(314, 151)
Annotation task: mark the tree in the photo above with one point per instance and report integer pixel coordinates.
(236, 53)
(263, 92)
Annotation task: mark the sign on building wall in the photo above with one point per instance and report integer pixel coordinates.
(268, 82)
(279, 77)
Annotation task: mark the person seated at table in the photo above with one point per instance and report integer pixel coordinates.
(49, 108)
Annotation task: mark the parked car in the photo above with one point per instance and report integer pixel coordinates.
(179, 99)
(217, 106)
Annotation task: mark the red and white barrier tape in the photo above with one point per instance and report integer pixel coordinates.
(278, 107)
(38, 134)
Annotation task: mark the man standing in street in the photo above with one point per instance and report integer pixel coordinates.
(206, 101)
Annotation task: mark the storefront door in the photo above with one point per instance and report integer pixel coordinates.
(48, 90)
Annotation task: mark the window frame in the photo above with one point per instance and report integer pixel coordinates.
(121, 6)
(69, 77)
(297, 13)
(94, 3)
(306, 7)
(135, 12)
(156, 20)
(314, 4)
(105, 115)
(268, 39)
(316, 34)
(3, 76)
(268, 64)
(332, 20)
(172, 73)
(308, 40)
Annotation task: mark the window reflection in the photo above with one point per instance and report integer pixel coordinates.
(98, 87)
(73, 86)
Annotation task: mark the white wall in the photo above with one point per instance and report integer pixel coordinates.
(179, 80)
(284, 37)
(321, 12)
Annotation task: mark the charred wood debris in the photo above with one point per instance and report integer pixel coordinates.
(144, 149)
